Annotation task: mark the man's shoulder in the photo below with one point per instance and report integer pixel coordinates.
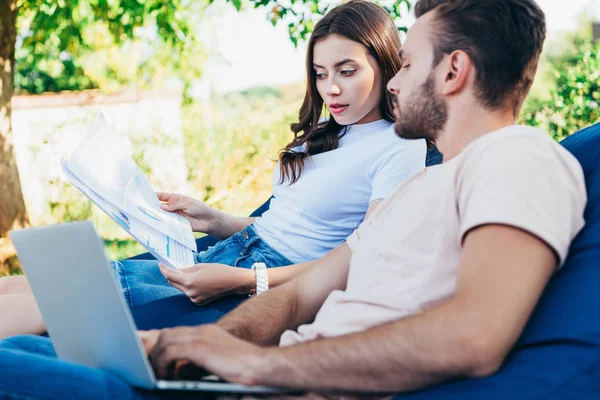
(520, 154)
(515, 136)
(519, 143)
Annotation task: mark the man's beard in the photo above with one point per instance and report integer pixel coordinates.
(423, 114)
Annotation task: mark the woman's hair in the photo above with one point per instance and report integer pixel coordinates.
(362, 22)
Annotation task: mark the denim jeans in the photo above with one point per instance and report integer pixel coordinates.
(180, 311)
(142, 281)
(29, 370)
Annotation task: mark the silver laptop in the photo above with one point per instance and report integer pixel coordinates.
(84, 309)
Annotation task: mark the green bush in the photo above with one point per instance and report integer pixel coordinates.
(574, 97)
(230, 165)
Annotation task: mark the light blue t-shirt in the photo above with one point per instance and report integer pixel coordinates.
(313, 216)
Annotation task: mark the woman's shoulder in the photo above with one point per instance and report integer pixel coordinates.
(387, 140)
(394, 149)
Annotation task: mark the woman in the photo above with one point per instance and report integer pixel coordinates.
(327, 179)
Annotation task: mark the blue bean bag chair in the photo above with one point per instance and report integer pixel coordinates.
(558, 354)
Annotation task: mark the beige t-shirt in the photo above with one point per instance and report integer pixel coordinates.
(406, 255)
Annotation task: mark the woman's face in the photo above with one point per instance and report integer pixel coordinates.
(348, 80)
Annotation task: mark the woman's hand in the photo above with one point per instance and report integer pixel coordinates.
(204, 283)
(202, 217)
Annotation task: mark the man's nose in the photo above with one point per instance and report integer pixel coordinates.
(392, 87)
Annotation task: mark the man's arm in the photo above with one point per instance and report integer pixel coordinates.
(502, 274)
(264, 318)
(231, 349)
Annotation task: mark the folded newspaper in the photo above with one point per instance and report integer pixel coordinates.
(102, 169)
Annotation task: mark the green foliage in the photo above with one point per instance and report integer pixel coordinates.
(574, 97)
(72, 45)
(301, 15)
(119, 249)
(70, 204)
(230, 166)
(55, 35)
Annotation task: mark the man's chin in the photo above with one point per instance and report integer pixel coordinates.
(405, 133)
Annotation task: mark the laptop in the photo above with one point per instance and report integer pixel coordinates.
(85, 312)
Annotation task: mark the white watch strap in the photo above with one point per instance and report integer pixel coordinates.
(261, 276)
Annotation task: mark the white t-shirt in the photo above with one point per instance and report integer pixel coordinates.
(308, 219)
(405, 257)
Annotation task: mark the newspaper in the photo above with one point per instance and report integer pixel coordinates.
(102, 169)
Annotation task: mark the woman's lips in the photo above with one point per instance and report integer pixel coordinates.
(337, 109)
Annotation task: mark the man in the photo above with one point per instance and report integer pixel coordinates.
(440, 280)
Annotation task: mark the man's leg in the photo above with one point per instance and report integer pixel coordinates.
(39, 345)
(29, 371)
(180, 311)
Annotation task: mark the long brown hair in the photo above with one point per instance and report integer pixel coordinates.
(362, 22)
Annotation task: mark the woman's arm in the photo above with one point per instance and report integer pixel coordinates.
(280, 275)
(204, 283)
(226, 225)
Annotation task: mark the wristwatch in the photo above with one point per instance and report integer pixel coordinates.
(261, 276)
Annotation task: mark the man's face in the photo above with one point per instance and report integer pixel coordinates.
(419, 110)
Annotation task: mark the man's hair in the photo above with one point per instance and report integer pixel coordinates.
(503, 38)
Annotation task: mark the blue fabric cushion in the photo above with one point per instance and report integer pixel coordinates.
(558, 354)
(433, 156)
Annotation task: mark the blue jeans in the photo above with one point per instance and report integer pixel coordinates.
(180, 311)
(29, 370)
(142, 281)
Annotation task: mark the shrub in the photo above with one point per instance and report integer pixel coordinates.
(574, 97)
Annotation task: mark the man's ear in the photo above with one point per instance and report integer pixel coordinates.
(457, 70)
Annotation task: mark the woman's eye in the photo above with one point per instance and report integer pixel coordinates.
(405, 66)
(348, 72)
(321, 76)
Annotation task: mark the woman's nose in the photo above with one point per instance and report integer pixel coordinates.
(333, 89)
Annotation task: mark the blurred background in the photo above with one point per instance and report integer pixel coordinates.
(203, 92)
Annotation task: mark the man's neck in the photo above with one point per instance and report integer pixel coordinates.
(462, 128)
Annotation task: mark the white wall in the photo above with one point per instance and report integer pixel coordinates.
(48, 126)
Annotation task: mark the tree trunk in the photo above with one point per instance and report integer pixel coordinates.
(13, 214)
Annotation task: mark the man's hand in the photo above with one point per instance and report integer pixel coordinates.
(149, 339)
(204, 283)
(205, 348)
